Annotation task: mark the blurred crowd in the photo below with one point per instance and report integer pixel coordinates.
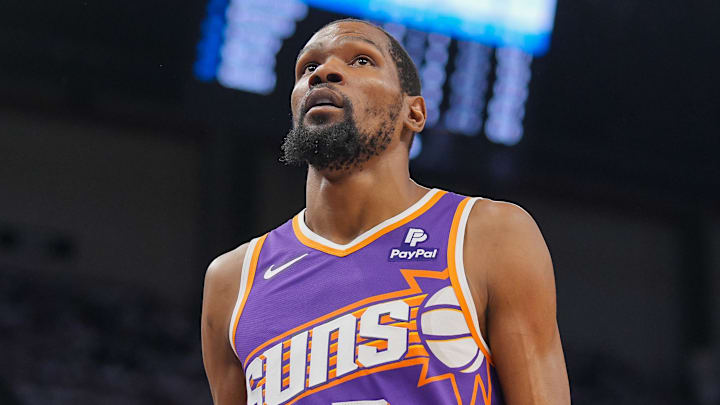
(65, 344)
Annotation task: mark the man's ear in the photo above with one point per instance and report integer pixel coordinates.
(417, 114)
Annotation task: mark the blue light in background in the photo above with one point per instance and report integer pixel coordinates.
(241, 38)
(416, 147)
(208, 49)
(468, 85)
(523, 24)
(506, 109)
(433, 76)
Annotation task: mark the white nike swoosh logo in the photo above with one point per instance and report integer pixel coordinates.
(269, 273)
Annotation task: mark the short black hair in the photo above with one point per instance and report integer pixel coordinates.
(406, 69)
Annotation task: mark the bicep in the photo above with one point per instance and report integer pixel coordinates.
(224, 370)
(521, 315)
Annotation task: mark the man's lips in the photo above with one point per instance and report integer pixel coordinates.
(323, 97)
(319, 106)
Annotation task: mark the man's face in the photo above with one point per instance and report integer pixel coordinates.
(346, 98)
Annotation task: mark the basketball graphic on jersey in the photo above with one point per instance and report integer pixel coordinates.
(446, 333)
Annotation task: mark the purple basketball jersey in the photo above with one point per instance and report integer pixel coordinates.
(385, 319)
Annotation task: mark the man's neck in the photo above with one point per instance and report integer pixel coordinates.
(341, 207)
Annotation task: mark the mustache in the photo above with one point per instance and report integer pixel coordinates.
(321, 86)
(297, 120)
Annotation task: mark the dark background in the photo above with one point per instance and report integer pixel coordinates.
(121, 177)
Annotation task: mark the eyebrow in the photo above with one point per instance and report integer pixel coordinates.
(341, 40)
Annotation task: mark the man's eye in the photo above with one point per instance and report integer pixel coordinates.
(310, 67)
(362, 61)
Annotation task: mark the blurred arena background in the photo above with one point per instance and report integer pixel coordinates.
(138, 140)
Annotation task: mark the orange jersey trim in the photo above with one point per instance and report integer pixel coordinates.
(344, 252)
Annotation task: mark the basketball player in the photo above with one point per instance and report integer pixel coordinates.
(380, 291)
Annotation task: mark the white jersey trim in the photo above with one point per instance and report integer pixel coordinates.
(397, 218)
(241, 292)
(460, 267)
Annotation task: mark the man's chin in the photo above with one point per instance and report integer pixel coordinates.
(328, 143)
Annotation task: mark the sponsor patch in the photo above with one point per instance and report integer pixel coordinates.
(409, 250)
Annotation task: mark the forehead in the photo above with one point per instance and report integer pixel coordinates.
(347, 30)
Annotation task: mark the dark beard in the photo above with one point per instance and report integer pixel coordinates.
(341, 146)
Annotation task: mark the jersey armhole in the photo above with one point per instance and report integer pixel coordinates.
(246, 281)
(458, 276)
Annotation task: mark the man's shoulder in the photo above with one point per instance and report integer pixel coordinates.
(227, 267)
(491, 216)
(501, 230)
(222, 282)
(505, 238)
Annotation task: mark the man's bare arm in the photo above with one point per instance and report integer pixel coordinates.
(516, 272)
(224, 370)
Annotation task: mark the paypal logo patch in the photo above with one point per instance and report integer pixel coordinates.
(409, 250)
(415, 236)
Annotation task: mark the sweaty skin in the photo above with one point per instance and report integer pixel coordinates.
(506, 259)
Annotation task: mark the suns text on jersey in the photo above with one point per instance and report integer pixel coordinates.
(349, 344)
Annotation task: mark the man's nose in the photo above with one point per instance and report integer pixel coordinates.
(328, 72)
